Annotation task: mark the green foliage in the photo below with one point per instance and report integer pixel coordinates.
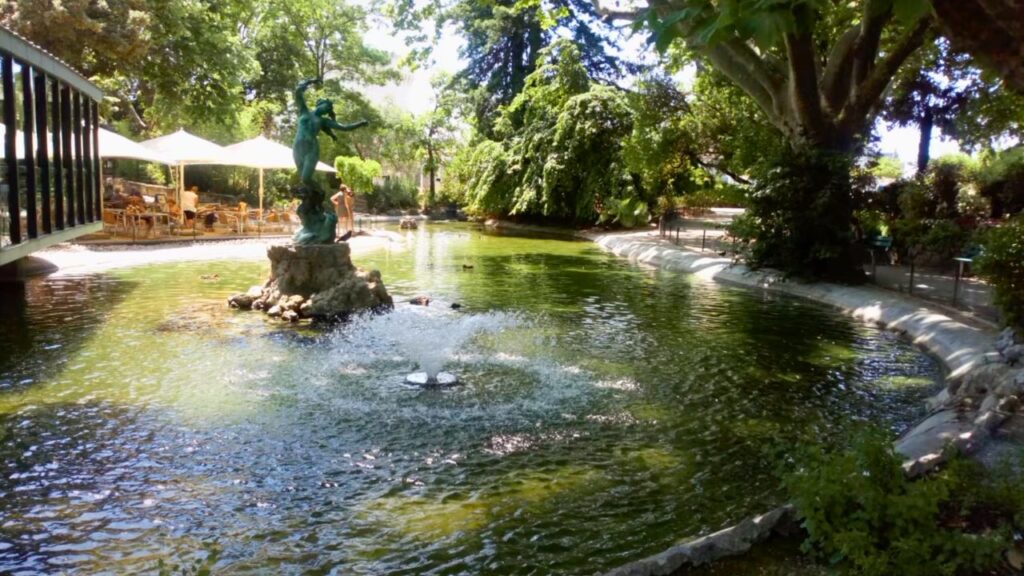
(560, 150)
(1002, 264)
(887, 167)
(719, 195)
(357, 173)
(800, 215)
(627, 212)
(479, 177)
(504, 40)
(861, 512)
(945, 238)
(1001, 180)
(205, 65)
(947, 178)
(392, 194)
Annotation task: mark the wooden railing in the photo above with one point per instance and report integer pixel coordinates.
(50, 175)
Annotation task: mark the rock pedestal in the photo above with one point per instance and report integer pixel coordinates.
(314, 281)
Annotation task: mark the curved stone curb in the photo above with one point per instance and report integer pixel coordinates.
(731, 541)
(958, 346)
(982, 390)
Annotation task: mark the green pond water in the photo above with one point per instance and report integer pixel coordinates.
(606, 411)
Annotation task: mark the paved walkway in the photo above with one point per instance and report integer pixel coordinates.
(973, 296)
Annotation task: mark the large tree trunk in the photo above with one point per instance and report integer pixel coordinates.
(926, 123)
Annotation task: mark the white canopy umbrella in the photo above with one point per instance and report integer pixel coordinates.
(113, 145)
(264, 154)
(186, 149)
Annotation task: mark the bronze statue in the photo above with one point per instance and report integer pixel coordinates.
(318, 225)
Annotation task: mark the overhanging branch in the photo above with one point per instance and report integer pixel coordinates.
(855, 112)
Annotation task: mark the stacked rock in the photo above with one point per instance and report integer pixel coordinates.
(314, 281)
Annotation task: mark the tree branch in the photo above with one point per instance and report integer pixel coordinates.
(835, 80)
(855, 113)
(803, 85)
(712, 166)
(876, 14)
(726, 62)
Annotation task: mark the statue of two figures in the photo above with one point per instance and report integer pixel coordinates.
(318, 225)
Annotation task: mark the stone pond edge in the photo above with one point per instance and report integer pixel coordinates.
(981, 391)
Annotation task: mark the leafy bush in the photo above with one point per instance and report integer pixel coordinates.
(860, 510)
(394, 193)
(800, 217)
(974, 206)
(1002, 182)
(1002, 263)
(667, 205)
(357, 173)
(948, 177)
(872, 223)
(945, 238)
(627, 212)
(940, 240)
(721, 195)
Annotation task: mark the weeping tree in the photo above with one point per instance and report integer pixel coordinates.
(504, 39)
(558, 151)
(818, 71)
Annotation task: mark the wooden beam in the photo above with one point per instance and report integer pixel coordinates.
(29, 159)
(11, 148)
(97, 171)
(43, 157)
(65, 143)
(58, 167)
(86, 160)
(76, 128)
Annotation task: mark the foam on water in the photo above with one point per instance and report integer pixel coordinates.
(428, 337)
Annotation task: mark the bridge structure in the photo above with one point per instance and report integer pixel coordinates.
(50, 170)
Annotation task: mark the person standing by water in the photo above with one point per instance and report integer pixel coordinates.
(345, 198)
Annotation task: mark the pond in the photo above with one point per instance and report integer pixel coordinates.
(605, 412)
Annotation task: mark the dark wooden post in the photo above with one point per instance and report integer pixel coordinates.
(97, 171)
(11, 149)
(88, 184)
(29, 161)
(76, 120)
(58, 175)
(44, 153)
(65, 142)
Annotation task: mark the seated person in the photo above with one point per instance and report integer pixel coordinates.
(210, 219)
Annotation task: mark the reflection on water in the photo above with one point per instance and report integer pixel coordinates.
(141, 421)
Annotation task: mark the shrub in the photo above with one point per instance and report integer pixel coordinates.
(945, 238)
(721, 195)
(627, 212)
(800, 217)
(1002, 182)
(394, 193)
(860, 510)
(356, 172)
(948, 177)
(1002, 264)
